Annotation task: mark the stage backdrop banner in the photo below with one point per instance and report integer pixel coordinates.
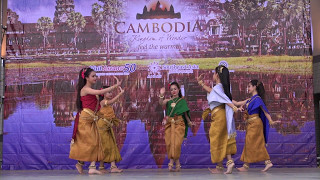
(149, 44)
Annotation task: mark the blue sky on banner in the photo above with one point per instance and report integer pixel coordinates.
(30, 11)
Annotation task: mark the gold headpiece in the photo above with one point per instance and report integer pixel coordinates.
(221, 68)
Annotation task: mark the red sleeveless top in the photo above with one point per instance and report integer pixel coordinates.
(88, 101)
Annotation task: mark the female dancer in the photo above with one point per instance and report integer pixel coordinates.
(222, 131)
(107, 119)
(176, 123)
(85, 143)
(257, 119)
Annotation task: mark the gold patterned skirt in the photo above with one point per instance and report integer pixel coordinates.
(174, 134)
(254, 148)
(87, 146)
(108, 140)
(220, 145)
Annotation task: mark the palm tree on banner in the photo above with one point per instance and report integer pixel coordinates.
(104, 17)
(76, 22)
(44, 25)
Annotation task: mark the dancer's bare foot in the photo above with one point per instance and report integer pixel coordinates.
(115, 169)
(79, 168)
(216, 170)
(178, 167)
(242, 169)
(230, 166)
(268, 166)
(104, 171)
(170, 167)
(94, 171)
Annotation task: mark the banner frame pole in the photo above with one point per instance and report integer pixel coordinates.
(3, 28)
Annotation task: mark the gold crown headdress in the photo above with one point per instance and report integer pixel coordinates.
(221, 68)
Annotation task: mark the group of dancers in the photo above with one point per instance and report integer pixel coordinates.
(94, 141)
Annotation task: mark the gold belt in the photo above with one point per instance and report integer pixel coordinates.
(218, 108)
(90, 112)
(252, 117)
(175, 119)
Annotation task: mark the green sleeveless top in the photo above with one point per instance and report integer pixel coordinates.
(179, 110)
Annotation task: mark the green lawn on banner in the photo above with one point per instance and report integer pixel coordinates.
(271, 64)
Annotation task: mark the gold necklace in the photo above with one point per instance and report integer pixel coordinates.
(174, 103)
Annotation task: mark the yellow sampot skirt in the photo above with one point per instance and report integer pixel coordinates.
(87, 146)
(254, 148)
(174, 134)
(108, 140)
(220, 145)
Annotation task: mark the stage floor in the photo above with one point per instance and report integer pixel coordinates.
(147, 174)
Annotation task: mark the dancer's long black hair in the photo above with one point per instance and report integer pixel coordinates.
(175, 83)
(259, 88)
(223, 73)
(85, 72)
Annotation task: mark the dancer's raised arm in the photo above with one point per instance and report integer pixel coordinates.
(162, 100)
(201, 83)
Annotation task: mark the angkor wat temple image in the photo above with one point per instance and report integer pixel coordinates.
(158, 13)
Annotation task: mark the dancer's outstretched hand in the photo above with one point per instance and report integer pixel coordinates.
(273, 123)
(121, 90)
(190, 124)
(162, 91)
(199, 78)
(164, 121)
(118, 81)
(116, 78)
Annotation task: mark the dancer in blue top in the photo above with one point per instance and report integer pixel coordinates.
(257, 119)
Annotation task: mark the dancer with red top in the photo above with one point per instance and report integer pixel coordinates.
(85, 143)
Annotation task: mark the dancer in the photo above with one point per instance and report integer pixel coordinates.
(176, 123)
(85, 143)
(107, 119)
(257, 119)
(222, 131)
